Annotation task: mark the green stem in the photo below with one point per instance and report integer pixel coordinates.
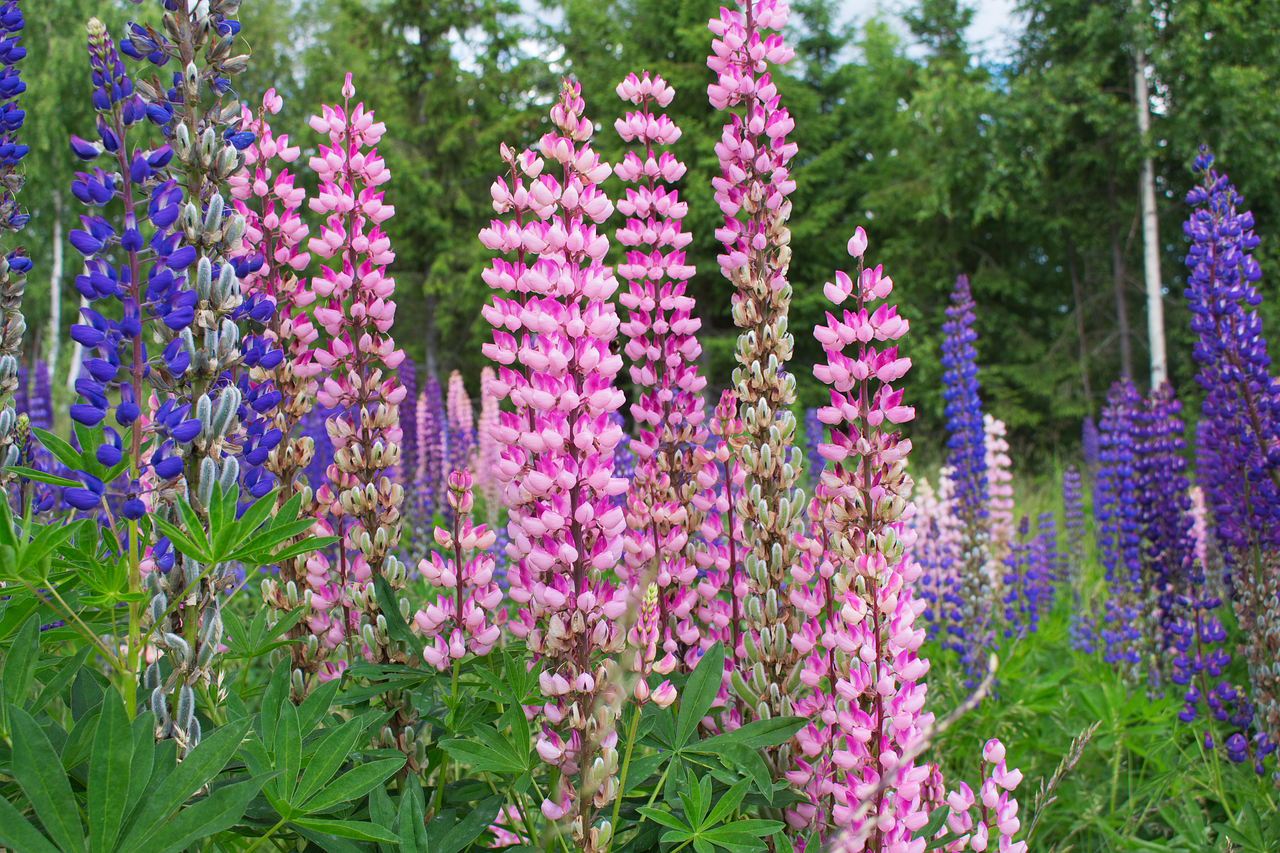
(1115, 766)
(622, 776)
(84, 629)
(270, 832)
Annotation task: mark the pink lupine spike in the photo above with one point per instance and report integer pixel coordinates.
(465, 616)
(553, 327)
(662, 514)
(361, 360)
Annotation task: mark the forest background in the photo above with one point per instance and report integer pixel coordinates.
(1021, 170)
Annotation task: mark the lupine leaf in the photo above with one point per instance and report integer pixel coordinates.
(317, 703)
(20, 663)
(61, 450)
(470, 827)
(391, 610)
(331, 751)
(699, 692)
(664, 818)
(215, 813)
(39, 773)
(288, 752)
(334, 844)
(273, 700)
(201, 765)
(729, 801)
(42, 477)
(109, 773)
(17, 833)
(359, 830)
(413, 829)
(354, 783)
(61, 679)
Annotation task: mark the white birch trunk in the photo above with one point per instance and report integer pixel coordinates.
(1150, 224)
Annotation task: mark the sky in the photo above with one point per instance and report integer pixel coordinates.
(994, 29)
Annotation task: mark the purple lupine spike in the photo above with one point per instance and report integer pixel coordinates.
(969, 564)
(624, 459)
(1116, 510)
(407, 373)
(21, 394)
(1240, 466)
(41, 400)
(433, 432)
(1073, 513)
(1089, 444)
(814, 434)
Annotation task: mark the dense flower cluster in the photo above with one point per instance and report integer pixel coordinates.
(1119, 538)
(1239, 444)
(752, 194)
(665, 504)
(355, 310)
(14, 265)
(557, 455)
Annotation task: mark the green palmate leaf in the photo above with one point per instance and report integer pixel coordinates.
(482, 758)
(396, 626)
(61, 450)
(317, 704)
(729, 801)
(699, 692)
(744, 759)
(61, 679)
(288, 752)
(17, 833)
(275, 698)
(42, 477)
(470, 827)
(38, 771)
(359, 830)
(20, 663)
(183, 543)
(758, 734)
(195, 771)
(413, 829)
(110, 768)
(144, 756)
(664, 818)
(936, 817)
(334, 844)
(331, 751)
(313, 543)
(383, 812)
(215, 813)
(257, 512)
(353, 784)
(641, 769)
(193, 525)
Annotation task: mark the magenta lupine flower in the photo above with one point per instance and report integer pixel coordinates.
(461, 419)
(487, 450)
(864, 652)
(407, 373)
(997, 820)
(999, 485)
(752, 194)
(465, 616)
(557, 456)
(359, 359)
(665, 504)
(433, 435)
(266, 196)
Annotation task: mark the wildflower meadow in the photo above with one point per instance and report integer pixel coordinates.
(651, 512)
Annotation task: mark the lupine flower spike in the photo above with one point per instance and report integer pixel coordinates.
(1239, 471)
(14, 265)
(356, 310)
(557, 458)
(752, 194)
(665, 505)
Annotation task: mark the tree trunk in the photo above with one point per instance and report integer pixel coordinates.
(77, 356)
(55, 289)
(1084, 351)
(1117, 273)
(1150, 224)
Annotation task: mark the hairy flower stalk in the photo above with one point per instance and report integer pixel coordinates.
(1242, 431)
(557, 459)
(665, 504)
(752, 194)
(860, 660)
(970, 564)
(14, 265)
(356, 311)
(487, 450)
(184, 286)
(272, 254)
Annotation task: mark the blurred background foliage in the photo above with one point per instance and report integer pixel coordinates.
(1021, 170)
